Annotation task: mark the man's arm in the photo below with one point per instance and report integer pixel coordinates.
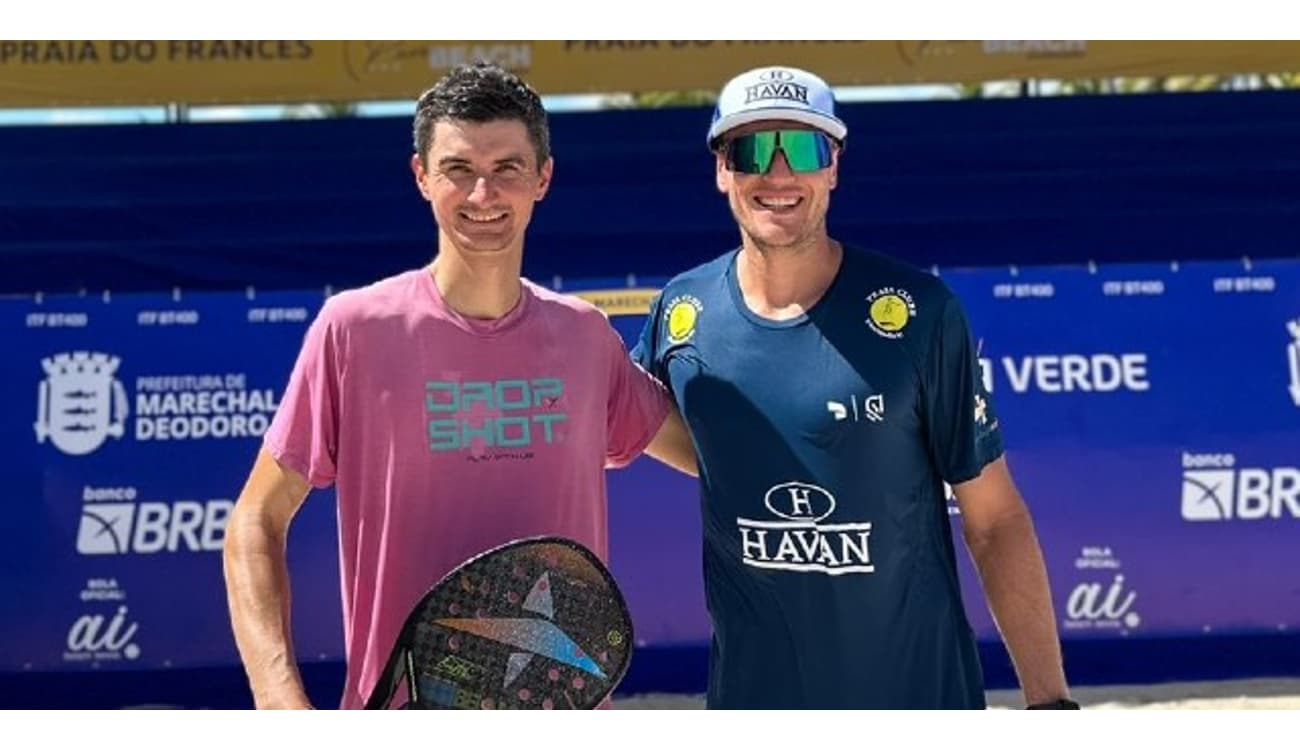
(257, 582)
(1000, 535)
(672, 444)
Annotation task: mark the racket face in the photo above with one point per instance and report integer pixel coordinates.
(537, 623)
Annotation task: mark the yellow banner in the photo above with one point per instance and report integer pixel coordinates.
(620, 301)
(63, 73)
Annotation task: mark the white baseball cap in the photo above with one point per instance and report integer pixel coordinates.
(776, 92)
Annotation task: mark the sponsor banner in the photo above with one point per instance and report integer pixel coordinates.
(134, 422)
(1150, 421)
(1150, 415)
(104, 72)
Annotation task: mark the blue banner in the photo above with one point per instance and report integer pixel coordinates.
(1151, 415)
(1152, 419)
(133, 422)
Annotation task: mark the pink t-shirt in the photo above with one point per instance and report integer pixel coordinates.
(446, 436)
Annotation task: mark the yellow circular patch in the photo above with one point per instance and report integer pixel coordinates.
(681, 321)
(890, 312)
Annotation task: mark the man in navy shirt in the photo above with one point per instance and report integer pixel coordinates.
(830, 392)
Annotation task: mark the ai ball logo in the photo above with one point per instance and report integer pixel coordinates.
(80, 403)
(101, 638)
(1101, 604)
(889, 311)
(1096, 604)
(683, 313)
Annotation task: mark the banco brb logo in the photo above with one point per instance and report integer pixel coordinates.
(80, 403)
(1217, 488)
(1207, 495)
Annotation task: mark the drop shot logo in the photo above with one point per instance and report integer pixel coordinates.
(494, 414)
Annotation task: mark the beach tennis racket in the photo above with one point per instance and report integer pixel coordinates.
(534, 623)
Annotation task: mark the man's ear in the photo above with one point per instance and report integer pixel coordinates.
(545, 174)
(418, 171)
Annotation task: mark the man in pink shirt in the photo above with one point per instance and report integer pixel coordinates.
(454, 407)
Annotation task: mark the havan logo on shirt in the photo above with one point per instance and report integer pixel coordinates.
(800, 541)
(493, 414)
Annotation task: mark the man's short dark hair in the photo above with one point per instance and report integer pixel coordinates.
(481, 92)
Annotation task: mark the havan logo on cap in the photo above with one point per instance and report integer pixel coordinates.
(776, 88)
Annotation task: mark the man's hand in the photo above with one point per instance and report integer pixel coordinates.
(284, 700)
(1060, 704)
(1004, 547)
(257, 582)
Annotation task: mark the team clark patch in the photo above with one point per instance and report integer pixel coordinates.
(681, 317)
(889, 310)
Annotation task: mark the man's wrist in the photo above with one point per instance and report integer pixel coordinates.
(1058, 704)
